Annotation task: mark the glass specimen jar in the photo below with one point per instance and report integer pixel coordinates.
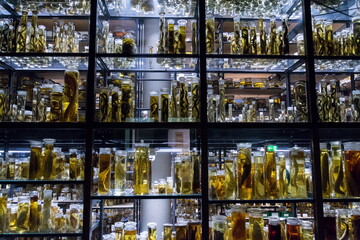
(338, 184)
(219, 227)
(35, 160)
(167, 231)
(130, 231)
(271, 187)
(274, 229)
(142, 169)
(129, 44)
(74, 218)
(104, 171)
(71, 101)
(74, 162)
(3, 209)
(238, 222)
(56, 103)
(194, 230)
(220, 185)
(356, 34)
(164, 98)
(181, 231)
(307, 231)
(258, 191)
(119, 229)
(244, 167)
(151, 231)
(181, 46)
(329, 224)
(343, 223)
(352, 166)
(325, 167)
(23, 215)
(230, 178)
(293, 228)
(46, 211)
(256, 231)
(154, 105)
(21, 103)
(210, 35)
(297, 173)
(34, 219)
(355, 224)
(48, 158)
(120, 171)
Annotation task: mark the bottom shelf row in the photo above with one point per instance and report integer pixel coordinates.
(180, 219)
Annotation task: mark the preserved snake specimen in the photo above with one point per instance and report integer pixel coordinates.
(72, 78)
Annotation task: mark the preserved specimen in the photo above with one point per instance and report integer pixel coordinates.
(244, 171)
(142, 169)
(104, 171)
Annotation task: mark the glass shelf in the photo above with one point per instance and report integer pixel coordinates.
(44, 63)
(131, 64)
(337, 66)
(152, 196)
(333, 9)
(212, 201)
(252, 65)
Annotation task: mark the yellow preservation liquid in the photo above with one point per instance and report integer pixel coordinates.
(194, 231)
(151, 231)
(325, 167)
(244, 178)
(56, 99)
(184, 101)
(12, 219)
(181, 231)
(178, 172)
(104, 105)
(72, 79)
(173, 108)
(256, 231)
(115, 104)
(127, 108)
(182, 36)
(104, 171)
(258, 191)
(3, 210)
(238, 223)
(245, 40)
(23, 215)
(196, 166)
(167, 231)
(141, 169)
(48, 158)
(282, 173)
(210, 35)
(22, 32)
(154, 106)
(120, 171)
(34, 219)
(271, 189)
(119, 230)
(74, 162)
(196, 99)
(337, 173)
(35, 161)
(171, 36)
(164, 105)
(220, 185)
(230, 179)
(130, 231)
(236, 42)
(263, 37)
(297, 173)
(34, 33)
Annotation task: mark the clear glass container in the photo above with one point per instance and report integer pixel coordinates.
(104, 171)
(142, 169)
(244, 171)
(256, 231)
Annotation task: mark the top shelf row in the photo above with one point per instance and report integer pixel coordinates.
(330, 9)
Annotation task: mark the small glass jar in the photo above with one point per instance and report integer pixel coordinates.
(129, 44)
(219, 227)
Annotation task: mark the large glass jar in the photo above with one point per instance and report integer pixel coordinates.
(142, 168)
(352, 168)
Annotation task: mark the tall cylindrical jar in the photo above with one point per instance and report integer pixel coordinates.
(104, 171)
(244, 171)
(120, 171)
(71, 103)
(142, 169)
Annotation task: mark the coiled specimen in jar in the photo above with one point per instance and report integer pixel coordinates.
(210, 35)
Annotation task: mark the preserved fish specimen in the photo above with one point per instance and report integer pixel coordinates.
(259, 178)
(334, 111)
(230, 178)
(21, 103)
(130, 231)
(3, 209)
(282, 175)
(210, 35)
(356, 35)
(48, 158)
(59, 223)
(236, 41)
(271, 190)
(34, 219)
(238, 220)
(46, 212)
(300, 101)
(194, 231)
(355, 224)
(74, 219)
(325, 167)
(186, 175)
(285, 35)
(196, 98)
(307, 232)
(221, 109)
(163, 32)
(164, 104)
(181, 46)
(72, 78)
(171, 36)
(119, 228)
(297, 173)
(154, 106)
(352, 167)
(273, 36)
(324, 102)
(141, 169)
(120, 171)
(320, 37)
(196, 166)
(41, 48)
(35, 161)
(34, 33)
(105, 105)
(21, 33)
(329, 39)
(56, 103)
(173, 108)
(184, 102)
(181, 231)
(274, 229)
(151, 231)
(256, 231)
(244, 171)
(194, 36)
(23, 214)
(104, 171)
(329, 225)
(293, 229)
(337, 172)
(343, 225)
(115, 104)
(167, 231)
(245, 39)
(263, 37)
(74, 162)
(220, 185)
(219, 227)
(253, 43)
(127, 107)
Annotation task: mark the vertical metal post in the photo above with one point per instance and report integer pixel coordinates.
(90, 112)
(313, 113)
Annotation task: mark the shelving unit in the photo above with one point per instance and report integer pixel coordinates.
(209, 135)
